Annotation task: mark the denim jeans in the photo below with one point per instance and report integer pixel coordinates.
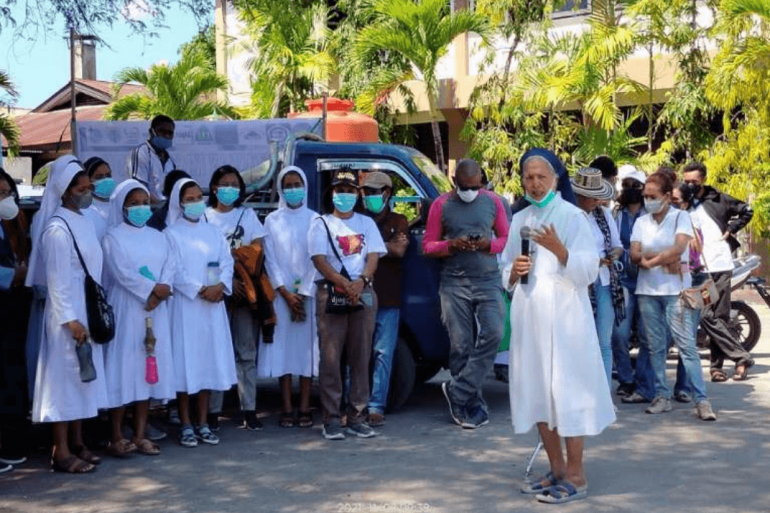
(463, 302)
(657, 313)
(605, 319)
(245, 334)
(385, 339)
(642, 374)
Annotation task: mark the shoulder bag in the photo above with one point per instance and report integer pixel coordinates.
(705, 294)
(101, 317)
(337, 302)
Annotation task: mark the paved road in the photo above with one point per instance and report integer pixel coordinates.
(421, 462)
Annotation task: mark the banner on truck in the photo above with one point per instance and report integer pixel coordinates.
(200, 147)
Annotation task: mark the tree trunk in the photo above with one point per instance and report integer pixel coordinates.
(437, 142)
(650, 108)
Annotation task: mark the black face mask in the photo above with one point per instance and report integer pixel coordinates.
(631, 196)
(693, 189)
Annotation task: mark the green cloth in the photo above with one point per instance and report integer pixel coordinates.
(505, 343)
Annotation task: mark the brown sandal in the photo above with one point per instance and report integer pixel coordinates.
(718, 376)
(287, 420)
(84, 454)
(72, 465)
(146, 447)
(121, 449)
(741, 373)
(305, 419)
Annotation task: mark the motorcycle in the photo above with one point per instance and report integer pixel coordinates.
(744, 321)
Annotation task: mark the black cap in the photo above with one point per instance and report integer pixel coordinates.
(344, 177)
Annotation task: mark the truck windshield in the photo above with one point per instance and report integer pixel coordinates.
(438, 178)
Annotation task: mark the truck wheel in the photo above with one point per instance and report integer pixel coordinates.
(426, 371)
(402, 377)
(745, 324)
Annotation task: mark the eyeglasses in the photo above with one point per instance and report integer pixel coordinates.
(474, 188)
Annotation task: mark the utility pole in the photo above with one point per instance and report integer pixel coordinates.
(73, 102)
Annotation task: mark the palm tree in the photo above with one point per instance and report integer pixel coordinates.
(420, 31)
(8, 128)
(186, 90)
(289, 43)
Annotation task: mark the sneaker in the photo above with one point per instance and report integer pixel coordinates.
(212, 419)
(376, 419)
(173, 417)
(251, 422)
(8, 458)
(5, 468)
(625, 389)
(361, 430)
(704, 411)
(187, 437)
(660, 405)
(333, 431)
(153, 433)
(476, 418)
(634, 398)
(206, 436)
(682, 397)
(457, 412)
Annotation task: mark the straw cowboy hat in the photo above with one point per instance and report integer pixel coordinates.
(589, 182)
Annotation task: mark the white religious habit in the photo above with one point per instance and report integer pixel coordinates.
(556, 374)
(202, 344)
(135, 260)
(295, 346)
(60, 395)
(99, 213)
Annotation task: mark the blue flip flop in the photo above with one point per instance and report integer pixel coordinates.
(536, 486)
(563, 492)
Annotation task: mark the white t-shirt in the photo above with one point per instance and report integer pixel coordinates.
(240, 226)
(716, 255)
(654, 238)
(604, 272)
(354, 239)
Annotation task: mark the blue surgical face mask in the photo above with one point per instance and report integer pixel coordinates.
(161, 142)
(228, 195)
(103, 188)
(294, 197)
(344, 201)
(138, 215)
(193, 211)
(543, 202)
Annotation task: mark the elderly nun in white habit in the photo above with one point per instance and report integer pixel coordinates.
(139, 271)
(295, 347)
(556, 375)
(202, 344)
(60, 395)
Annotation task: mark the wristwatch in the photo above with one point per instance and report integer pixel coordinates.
(368, 282)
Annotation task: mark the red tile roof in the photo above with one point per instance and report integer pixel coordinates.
(44, 131)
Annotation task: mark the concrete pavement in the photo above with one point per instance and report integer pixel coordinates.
(422, 462)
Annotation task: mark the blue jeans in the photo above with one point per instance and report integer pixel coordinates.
(657, 313)
(463, 301)
(605, 319)
(385, 339)
(643, 375)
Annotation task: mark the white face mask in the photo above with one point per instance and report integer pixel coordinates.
(654, 206)
(8, 209)
(467, 196)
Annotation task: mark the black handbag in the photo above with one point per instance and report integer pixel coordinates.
(101, 317)
(337, 302)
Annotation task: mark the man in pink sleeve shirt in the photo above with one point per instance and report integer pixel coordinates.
(467, 228)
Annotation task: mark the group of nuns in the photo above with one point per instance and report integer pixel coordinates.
(177, 278)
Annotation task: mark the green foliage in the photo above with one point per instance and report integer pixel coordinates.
(289, 49)
(186, 90)
(203, 43)
(9, 130)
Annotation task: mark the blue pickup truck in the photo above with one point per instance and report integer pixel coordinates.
(423, 345)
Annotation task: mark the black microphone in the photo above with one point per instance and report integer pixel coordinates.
(524, 233)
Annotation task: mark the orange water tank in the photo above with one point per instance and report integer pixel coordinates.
(342, 124)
